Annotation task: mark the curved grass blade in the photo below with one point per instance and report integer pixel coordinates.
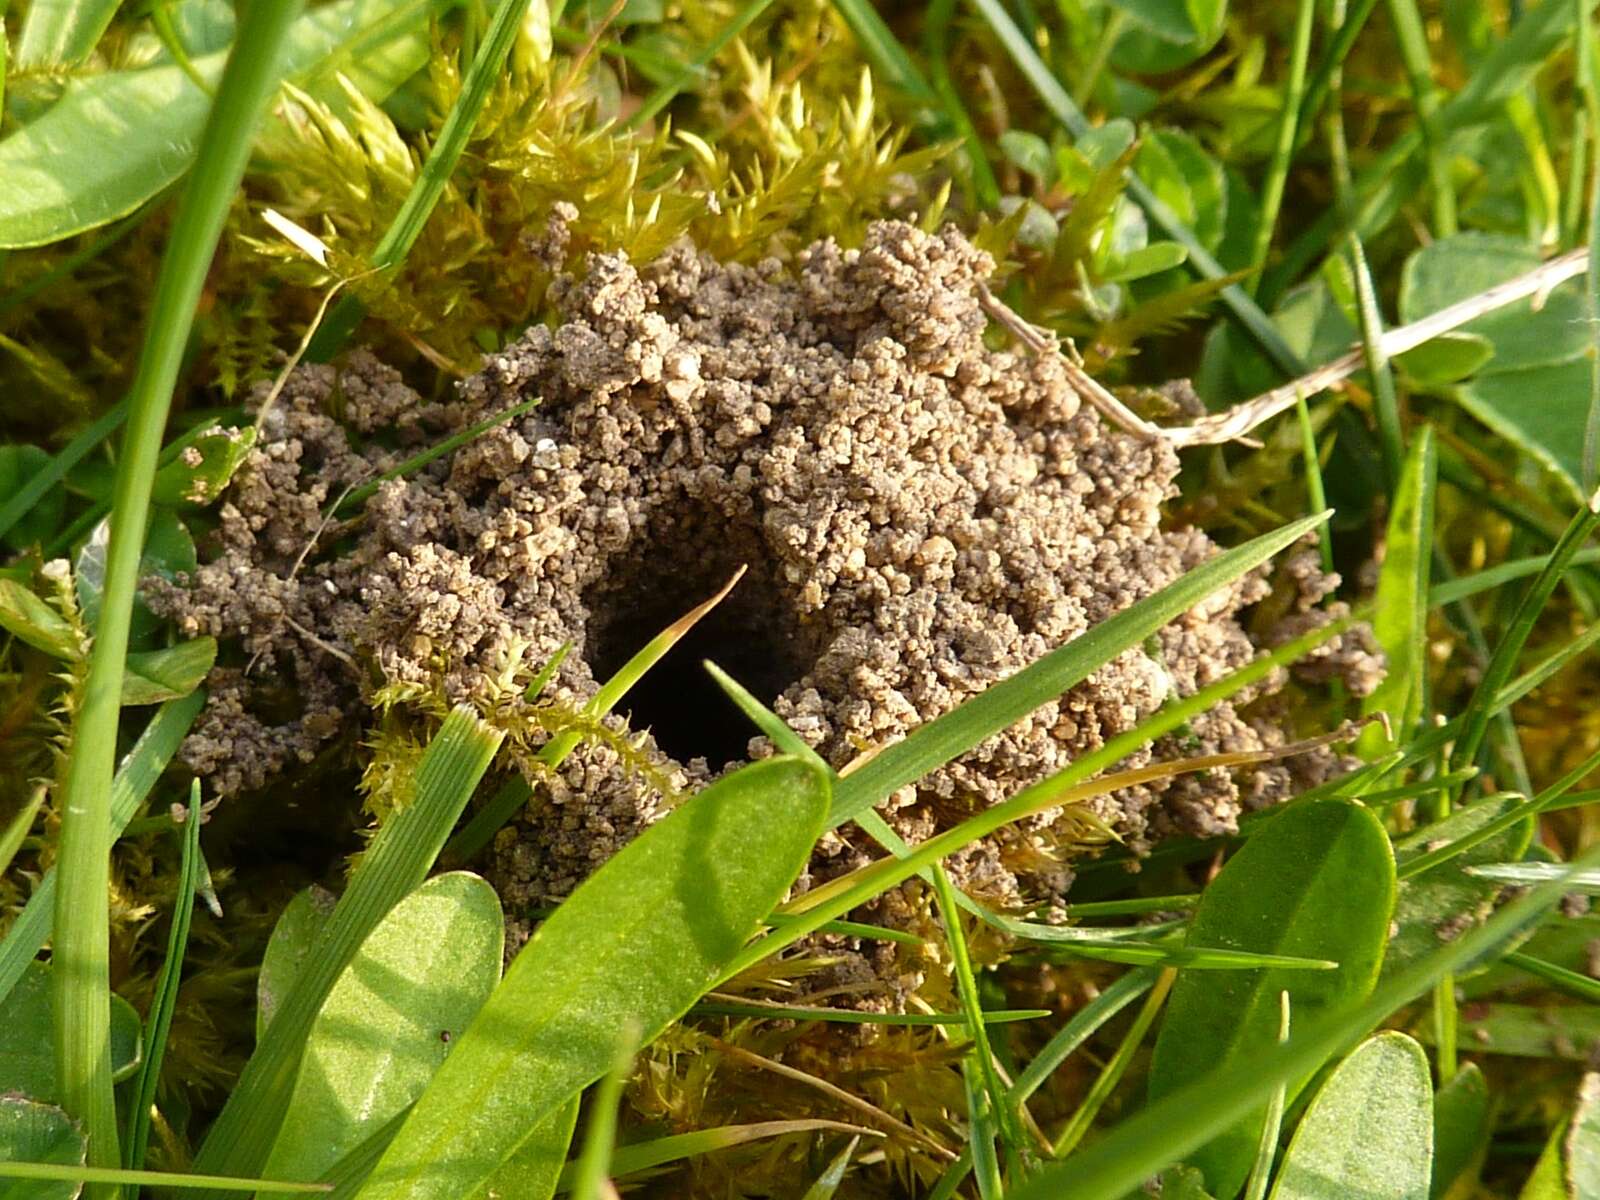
(395, 863)
(16, 830)
(157, 1179)
(642, 1156)
(931, 746)
(1289, 889)
(828, 1182)
(591, 1173)
(1369, 1131)
(1100, 1091)
(24, 498)
(1272, 1127)
(638, 942)
(82, 926)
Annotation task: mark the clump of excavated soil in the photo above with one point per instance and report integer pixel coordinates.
(920, 516)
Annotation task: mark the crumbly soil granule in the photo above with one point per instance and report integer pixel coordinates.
(919, 515)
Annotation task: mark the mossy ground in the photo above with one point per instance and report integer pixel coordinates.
(796, 131)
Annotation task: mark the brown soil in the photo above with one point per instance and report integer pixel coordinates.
(920, 516)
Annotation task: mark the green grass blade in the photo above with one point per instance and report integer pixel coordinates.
(884, 51)
(82, 985)
(1267, 1147)
(1463, 587)
(936, 22)
(16, 830)
(155, 1179)
(591, 1173)
(1574, 984)
(398, 859)
(1326, 75)
(827, 1184)
(1400, 617)
(636, 944)
(1283, 149)
(1062, 107)
(29, 495)
(642, 1156)
(165, 998)
(1111, 1074)
(140, 769)
(1083, 1025)
(1475, 719)
(930, 746)
(1588, 73)
(1172, 1127)
(1412, 42)
(1385, 401)
(422, 458)
(1007, 1127)
(768, 1011)
(419, 203)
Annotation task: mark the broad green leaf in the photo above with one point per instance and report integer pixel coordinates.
(1188, 180)
(1462, 1121)
(61, 33)
(297, 930)
(27, 1049)
(18, 464)
(1030, 152)
(1542, 411)
(1447, 358)
(537, 1168)
(390, 1020)
(202, 469)
(1368, 1132)
(27, 617)
(41, 1133)
(1443, 902)
(634, 946)
(1317, 882)
(1401, 617)
(115, 139)
(156, 675)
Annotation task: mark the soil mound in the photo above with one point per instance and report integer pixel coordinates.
(920, 515)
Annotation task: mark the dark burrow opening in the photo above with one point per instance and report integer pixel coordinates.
(753, 634)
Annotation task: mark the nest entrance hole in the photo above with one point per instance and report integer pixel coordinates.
(754, 634)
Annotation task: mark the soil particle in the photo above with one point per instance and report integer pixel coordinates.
(921, 516)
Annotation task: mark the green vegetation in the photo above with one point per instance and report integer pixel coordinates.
(1370, 236)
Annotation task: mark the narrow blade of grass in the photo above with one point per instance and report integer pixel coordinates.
(440, 164)
(642, 1156)
(1283, 149)
(1475, 719)
(1267, 1147)
(931, 746)
(1464, 587)
(82, 926)
(155, 1179)
(1576, 985)
(1007, 1127)
(1111, 1074)
(16, 831)
(1412, 41)
(727, 1006)
(422, 458)
(398, 859)
(140, 769)
(591, 1174)
(165, 998)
